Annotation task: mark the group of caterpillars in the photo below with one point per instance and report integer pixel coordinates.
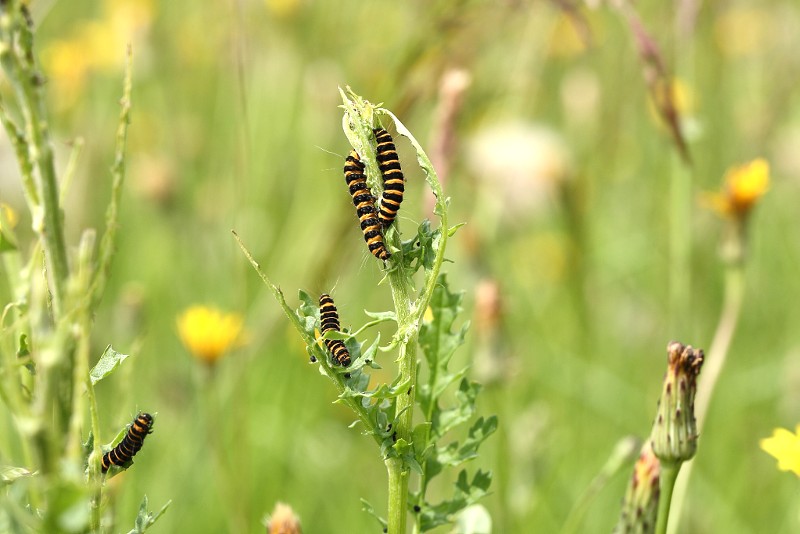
(372, 220)
(371, 226)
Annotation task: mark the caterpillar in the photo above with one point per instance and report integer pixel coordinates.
(329, 318)
(130, 444)
(393, 181)
(365, 206)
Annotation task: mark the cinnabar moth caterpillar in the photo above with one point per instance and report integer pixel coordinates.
(393, 181)
(329, 319)
(365, 206)
(130, 444)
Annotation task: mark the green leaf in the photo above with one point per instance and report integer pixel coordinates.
(145, 518)
(109, 362)
(384, 316)
(420, 250)
(446, 420)
(368, 508)
(466, 493)
(10, 474)
(6, 241)
(436, 337)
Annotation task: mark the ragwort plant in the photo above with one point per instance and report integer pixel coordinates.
(425, 320)
(52, 480)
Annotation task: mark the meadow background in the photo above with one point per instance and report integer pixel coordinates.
(561, 171)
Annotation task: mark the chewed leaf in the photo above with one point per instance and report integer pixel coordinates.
(109, 362)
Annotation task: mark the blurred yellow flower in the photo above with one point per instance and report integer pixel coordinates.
(744, 185)
(209, 333)
(95, 45)
(283, 520)
(742, 31)
(681, 93)
(8, 221)
(283, 8)
(785, 447)
(8, 215)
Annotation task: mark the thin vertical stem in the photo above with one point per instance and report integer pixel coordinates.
(48, 217)
(668, 475)
(715, 362)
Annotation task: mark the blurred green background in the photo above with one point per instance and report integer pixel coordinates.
(561, 170)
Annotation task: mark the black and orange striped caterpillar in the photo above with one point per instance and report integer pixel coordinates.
(329, 320)
(365, 206)
(393, 181)
(130, 444)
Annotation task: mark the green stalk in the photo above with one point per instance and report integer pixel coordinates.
(669, 473)
(408, 331)
(21, 72)
(717, 355)
(94, 459)
(108, 240)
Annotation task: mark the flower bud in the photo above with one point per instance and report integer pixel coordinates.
(674, 434)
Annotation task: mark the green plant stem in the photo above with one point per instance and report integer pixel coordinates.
(17, 139)
(715, 362)
(669, 473)
(47, 218)
(402, 294)
(94, 458)
(108, 240)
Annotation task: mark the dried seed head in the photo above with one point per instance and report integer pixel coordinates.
(674, 434)
(640, 506)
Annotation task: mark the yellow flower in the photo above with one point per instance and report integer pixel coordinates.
(209, 333)
(283, 520)
(784, 446)
(744, 185)
(8, 215)
(8, 221)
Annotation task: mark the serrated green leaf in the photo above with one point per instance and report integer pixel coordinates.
(145, 518)
(436, 338)
(446, 420)
(109, 362)
(420, 250)
(466, 493)
(382, 392)
(10, 474)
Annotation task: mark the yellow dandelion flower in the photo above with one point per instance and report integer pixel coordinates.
(209, 333)
(744, 186)
(785, 447)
